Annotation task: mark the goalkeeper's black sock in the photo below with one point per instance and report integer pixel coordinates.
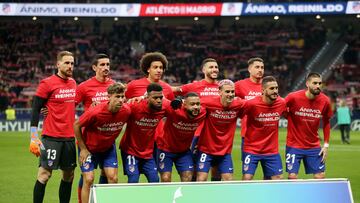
(39, 192)
(65, 191)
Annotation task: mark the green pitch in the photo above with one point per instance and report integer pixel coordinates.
(18, 167)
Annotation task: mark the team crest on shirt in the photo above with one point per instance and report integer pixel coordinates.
(246, 167)
(289, 166)
(201, 165)
(50, 163)
(161, 165)
(131, 168)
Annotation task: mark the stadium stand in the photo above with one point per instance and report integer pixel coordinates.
(26, 56)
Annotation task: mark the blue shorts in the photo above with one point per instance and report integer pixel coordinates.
(271, 164)
(103, 159)
(134, 165)
(223, 162)
(183, 161)
(311, 158)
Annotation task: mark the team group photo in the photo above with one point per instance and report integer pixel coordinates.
(201, 103)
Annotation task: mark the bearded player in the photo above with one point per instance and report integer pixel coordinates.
(178, 133)
(261, 141)
(205, 88)
(56, 147)
(305, 110)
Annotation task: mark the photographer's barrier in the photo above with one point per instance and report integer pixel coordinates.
(282, 191)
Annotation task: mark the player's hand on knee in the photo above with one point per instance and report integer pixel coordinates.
(84, 156)
(35, 143)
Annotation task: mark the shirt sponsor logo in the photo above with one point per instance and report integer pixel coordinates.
(65, 93)
(100, 96)
(111, 126)
(268, 117)
(185, 126)
(223, 114)
(149, 122)
(307, 112)
(252, 95)
(210, 91)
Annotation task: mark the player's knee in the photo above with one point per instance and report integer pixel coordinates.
(133, 178)
(247, 177)
(68, 175)
(201, 176)
(292, 176)
(44, 178)
(276, 177)
(227, 176)
(153, 178)
(43, 175)
(113, 178)
(186, 176)
(166, 177)
(319, 175)
(88, 179)
(102, 173)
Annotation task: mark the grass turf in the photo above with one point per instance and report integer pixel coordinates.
(19, 167)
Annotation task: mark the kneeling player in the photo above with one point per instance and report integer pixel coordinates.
(261, 137)
(101, 125)
(178, 132)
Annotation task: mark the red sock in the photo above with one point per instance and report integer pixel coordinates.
(79, 194)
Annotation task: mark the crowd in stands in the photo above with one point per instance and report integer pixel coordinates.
(344, 81)
(27, 50)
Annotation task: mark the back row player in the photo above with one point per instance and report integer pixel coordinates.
(91, 93)
(205, 88)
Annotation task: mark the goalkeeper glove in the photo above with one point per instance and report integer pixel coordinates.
(35, 142)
